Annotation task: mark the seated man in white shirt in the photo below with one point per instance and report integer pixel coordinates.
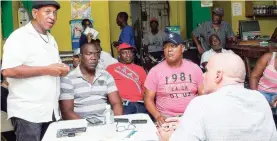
(105, 58)
(215, 48)
(229, 112)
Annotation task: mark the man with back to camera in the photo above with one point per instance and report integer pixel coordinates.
(129, 79)
(31, 64)
(86, 90)
(173, 82)
(215, 26)
(229, 112)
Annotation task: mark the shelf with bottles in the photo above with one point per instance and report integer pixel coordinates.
(265, 10)
(260, 10)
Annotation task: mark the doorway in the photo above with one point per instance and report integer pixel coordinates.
(141, 14)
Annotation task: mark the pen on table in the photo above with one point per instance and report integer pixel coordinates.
(131, 133)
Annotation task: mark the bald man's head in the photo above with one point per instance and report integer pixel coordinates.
(223, 69)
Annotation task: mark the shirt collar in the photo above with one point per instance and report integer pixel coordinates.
(78, 73)
(31, 29)
(231, 87)
(211, 24)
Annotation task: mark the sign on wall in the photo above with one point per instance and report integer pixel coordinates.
(76, 32)
(80, 9)
(206, 3)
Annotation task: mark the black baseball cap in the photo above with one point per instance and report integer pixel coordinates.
(38, 4)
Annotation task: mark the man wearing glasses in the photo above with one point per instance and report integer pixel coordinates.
(86, 90)
(173, 82)
(31, 64)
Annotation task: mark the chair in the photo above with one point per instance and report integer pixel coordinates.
(6, 125)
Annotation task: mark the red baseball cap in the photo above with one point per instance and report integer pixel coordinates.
(153, 19)
(124, 46)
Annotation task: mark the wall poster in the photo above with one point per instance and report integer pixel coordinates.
(80, 9)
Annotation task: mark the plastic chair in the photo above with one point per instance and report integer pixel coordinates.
(6, 125)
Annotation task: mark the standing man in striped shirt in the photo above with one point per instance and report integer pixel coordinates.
(86, 90)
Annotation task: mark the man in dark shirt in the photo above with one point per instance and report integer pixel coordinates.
(84, 39)
(216, 26)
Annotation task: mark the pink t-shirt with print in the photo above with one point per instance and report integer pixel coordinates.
(174, 87)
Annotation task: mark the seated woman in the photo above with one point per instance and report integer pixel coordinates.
(215, 48)
(264, 77)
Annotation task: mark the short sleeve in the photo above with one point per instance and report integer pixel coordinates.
(145, 39)
(15, 51)
(230, 32)
(198, 31)
(198, 75)
(142, 78)
(151, 82)
(111, 84)
(67, 89)
(204, 57)
(191, 126)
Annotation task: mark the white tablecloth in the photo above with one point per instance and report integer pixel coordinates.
(145, 132)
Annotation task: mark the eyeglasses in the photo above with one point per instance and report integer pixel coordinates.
(121, 128)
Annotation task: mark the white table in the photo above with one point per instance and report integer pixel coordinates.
(145, 132)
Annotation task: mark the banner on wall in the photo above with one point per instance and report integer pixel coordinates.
(76, 32)
(80, 9)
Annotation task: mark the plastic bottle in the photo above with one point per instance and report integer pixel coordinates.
(109, 116)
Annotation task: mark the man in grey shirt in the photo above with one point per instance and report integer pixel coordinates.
(86, 90)
(216, 26)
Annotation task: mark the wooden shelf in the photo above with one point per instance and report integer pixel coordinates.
(266, 16)
(249, 9)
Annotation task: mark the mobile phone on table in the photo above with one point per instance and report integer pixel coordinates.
(139, 121)
(122, 120)
(94, 121)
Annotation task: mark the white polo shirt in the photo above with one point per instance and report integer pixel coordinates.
(105, 60)
(232, 113)
(34, 98)
(206, 56)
